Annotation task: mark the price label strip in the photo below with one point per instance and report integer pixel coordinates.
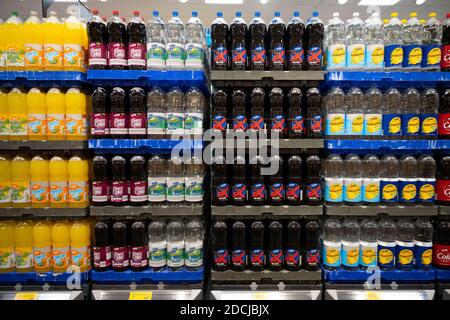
(140, 295)
(26, 296)
(370, 295)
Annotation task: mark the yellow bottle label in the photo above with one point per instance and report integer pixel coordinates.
(415, 56)
(371, 191)
(352, 191)
(395, 125)
(20, 192)
(357, 54)
(37, 124)
(429, 125)
(368, 256)
(405, 256)
(378, 55)
(409, 192)
(352, 257)
(58, 192)
(426, 192)
(389, 192)
(18, 124)
(434, 56)
(5, 192)
(385, 256)
(73, 55)
(397, 56)
(4, 124)
(357, 124)
(338, 55)
(75, 124)
(373, 124)
(335, 191)
(55, 123)
(15, 57)
(332, 256)
(413, 125)
(337, 124)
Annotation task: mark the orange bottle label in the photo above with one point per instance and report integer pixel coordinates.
(58, 192)
(42, 258)
(61, 257)
(39, 192)
(78, 192)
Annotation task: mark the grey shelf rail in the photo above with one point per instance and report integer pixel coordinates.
(444, 210)
(44, 212)
(133, 211)
(376, 210)
(44, 145)
(278, 211)
(248, 275)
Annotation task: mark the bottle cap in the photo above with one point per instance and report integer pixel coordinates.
(394, 14)
(432, 14)
(335, 14)
(33, 13)
(422, 21)
(315, 13)
(195, 14)
(296, 14)
(404, 21)
(115, 13)
(385, 21)
(277, 14)
(95, 12)
(413, 14)
(136, 13)
(356, 14)
(448, 16)
(257, 14)
(219, 14)
(15, 13)
(238, 14)
(175, 13)
(155, 13)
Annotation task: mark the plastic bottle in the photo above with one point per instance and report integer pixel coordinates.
(176, 188)
(78, 182)
(386, 244)
(175, 245)
(157, 245)
(411, 113)
(75, 122)
(221, 256)
(275, 256)
(194, 234)
(314, 34)
(314, 114)
(156, 43)
(138, 181)
(238, 101)
(220, 182)
(431, 43)
(118, 117)
(350, 244)
(238, 255)
(219, 112)
(39, 172)
(445, 56)
(408, 180)
(80, 242)
(404, 256)
(334, 183)
(294, 194)
(375, 43)
(423, 243)
(98, 41)
(238, 182)
(392, 108)
(426, 182)
(257, 187)
(139, 246)
(195, 108)
(257, 120)
(444, 116)
(352, 181)
(356, 49)
(195, 43)
(393, 40)
(193, 181)
(336, 43)
(53, 43)
(42, 252)
(176, 103)
(256, 255)
(18, 114)
(156, 113)
(23, 236)
(368, 243)
(73, 59)
(335, 110)
(8, 261)
(20, 182)
(3, 44)
(373, 117)
(137, 46)
(443, 181)
(117, 47)
(219, 38)
(313, 189)
(294, 32)
(61, 246)
(56, 112)
(276, 33)
(119, 181)
(412, 41)
(258, 33)
(34, 45)
(137, 118)
(277, 124)
(176, 39)
(157, 179)
(100, 113)
(389, 183)
(102, 250)
(4, 114)
(37, 114)
(311, 250)
(120, 251)
(275, 182)
(331, 244)
(5, 182)
(354, 118)
(14, 40)
(100, 181)
(296, 123)
(292, 254)
(58, 182)
(441, 244)
(238, 31)
(429, 113)
(371, 180)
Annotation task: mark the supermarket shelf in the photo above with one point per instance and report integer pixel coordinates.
(42, 295)
(444, 210)
(266, 295)
(262, 210)
(386, 76)
(349, 144)
(153, 145)
(442, 275)
(361, 276)
(44, 212)
(375, 210)
(132, 211)
(44, 145)
(41, 78)
(446, 294)
(342, 294)
(49, 277)
(165, 294)
(249, 275)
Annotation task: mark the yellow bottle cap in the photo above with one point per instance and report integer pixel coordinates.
(422, 21)
(413, 14)
(404, 21)
(432, 14)
(394, 14)
(385, 21)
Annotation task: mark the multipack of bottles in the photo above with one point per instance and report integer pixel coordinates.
(295, 46)
(121, 181)
(48, 45)
(45, 246)
(369, 181)
(283, 113)
(43, 115)
(154, 45)
(266, 245)
(39, 182)
(404, 244)
(156, 114)
(391, 114)
(294, 181)
(142, 245)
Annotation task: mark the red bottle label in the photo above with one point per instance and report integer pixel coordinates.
(138, 191)
(443, 190)
(99, 124)
(445, 61)
(139, 256)
(444, 124)
(136, 54)
(100, 191)
(138, 123)
(119, 191)
(120, 257)
(102, 257)
(117, 53)
(97, 54)
(441, 255)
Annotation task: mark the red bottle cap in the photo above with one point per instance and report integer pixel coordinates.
(115, 12)
(95, 12)
(136, 13)
(448, 15)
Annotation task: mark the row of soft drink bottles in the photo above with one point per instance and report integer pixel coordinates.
(156, 244)
(371, 181)
(154, 45)
(284, 113)
(117, 113)
(273, 245)
(294, 46)
(372, 45)
(41, 183)
(51, 44)
(294, 181)
(41, 115)
(388, 244)
(45, 246)
(390, 114)
(121, 181)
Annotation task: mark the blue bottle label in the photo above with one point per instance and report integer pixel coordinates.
(354, 124)
(393, 56)
(239, 56)
(293, 191)
(368, 255)
(238, 258)
(373, 124)
(407, 189)
(389, 190)
(292, 257)
(256, 123)
(297, 124)
(386, 254)
(221, 257)
(371, 190)
(423, 254)
(404, 254)
(296, 55)
(331, 254)
(259, 56)
(314, 191)
(335, 124)
(314, 56)
(353, 190)
(350, 254)
(412, 56)
(257, 257)
(258, 191)
(278, 123)
(277, 191)
(392, 124)
(219, 123)
(334, 189)
(240, 123)
(431, 56)
(220, 56)
(223, 191)
(315, 124)
(276, 257)
(278, 55)
(239, 191)
(426, 190)
(410, 124)
(429, 124)
(336, 55)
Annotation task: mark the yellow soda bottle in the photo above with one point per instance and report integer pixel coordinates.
(39, 182)
(61, 246)
(34, 47)
(2, 46)
(80, 241)
(56, 111)
(53, 43)
(42, 253)
(15, 49)
(73, 44)
(20, 182)
(37, 114)
(58, 182)
(23, 235)
(75, 115)
(7, 256)
(18, 114)
(4, 115)
(78, 182)
(5, 182)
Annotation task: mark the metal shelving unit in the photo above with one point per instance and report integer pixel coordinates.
(248, 275)
(266, 210)
(395, 211)
(44, 212)
(44, 145)
(107, 211)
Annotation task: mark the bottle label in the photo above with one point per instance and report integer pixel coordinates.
(292, 257)
(219, 123)
(393, 56)
(315, 124)
(239, 191)
(350, 254)
(81, 257)
(5, 191)
(15, 57)
(256, 123)
(296, 55)
(20, 191)
(194, 55)
(334, 189)
(257, 258)
(356, 55)
(404, 254)
(157, 254)
(429, 124)
(102, 257)
(276, 257)
(58, 192)
(37, 124)
(53, 55)
(138, 191)
(240, 123)
(156, 123)
(78, 191)
(55, 124)
(431, 56)
(138, 123)
(368, 256)
(117, 54)
(314, 192)
(193, 123)
(194, 189)
(220, 56)
(34, 55)
(423, 254)
(119, 191)
(7, 258)
(39, 192)
(175, 189)
(426, 189)
(137, 54)
(139, 257)
(441, 255)
(223, 191)
(175, 55)
(293, 191)
(314, 56)
(312, 257)
(407, 190)
(277, 191)
(175, 123)
(4, 125)
(386, 254)
(259, 56)
(73, 55)
(331, 253)
(443, 190)
(75, 125)
(372, 124)
(221, 258)
(118, 123)
(175, 253)
(24, 257)
(410, 124)
(278, 123)
(258, 191)
(278, 55)
(443, 124)
(375, 55)
(354, 124)
(18, 124)
(238, 258)
(389, 190)
(392, 124)
(157, 189)
(371, 190)
(353, 189)
(99, 124)
(194, 253)
(120, 257)
(97, 54)
(156, 53)
(61, 257)
(445, 60)
(335, 124)
(336, 56)
(413, 56)
(297, 124)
